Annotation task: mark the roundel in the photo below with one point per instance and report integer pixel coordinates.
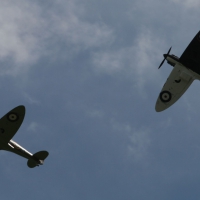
(13, 117)
(165, 96)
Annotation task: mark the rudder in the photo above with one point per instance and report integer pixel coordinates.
(37, 159)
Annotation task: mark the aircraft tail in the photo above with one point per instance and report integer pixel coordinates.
(37, 159)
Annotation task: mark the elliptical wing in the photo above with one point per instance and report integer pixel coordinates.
(191, 56)
(10, 123)
(177, 83)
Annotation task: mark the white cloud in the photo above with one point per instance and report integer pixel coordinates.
(110, 61)
(29, 31)
(139, 143)
(147, 54)
(95, 113)
(138, 140)
(120, 127)
(30, 99)
(33, 126)
(19, 23)
(140, 60)
(80, 33)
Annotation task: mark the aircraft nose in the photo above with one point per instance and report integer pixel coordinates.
(165, 55)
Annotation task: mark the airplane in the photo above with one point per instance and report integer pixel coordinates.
(9, 125)
(186, 70)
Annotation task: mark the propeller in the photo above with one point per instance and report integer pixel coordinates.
(165, 56)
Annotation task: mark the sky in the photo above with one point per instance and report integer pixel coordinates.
(87, 73)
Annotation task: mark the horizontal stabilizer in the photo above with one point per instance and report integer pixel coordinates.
(37, 159)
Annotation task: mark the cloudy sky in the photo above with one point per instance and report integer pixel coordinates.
(87, 73)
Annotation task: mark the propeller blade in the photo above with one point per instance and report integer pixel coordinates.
(161, 63)
(169, 51)
(165, 58)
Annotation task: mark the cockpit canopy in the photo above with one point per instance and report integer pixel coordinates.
(175, 56)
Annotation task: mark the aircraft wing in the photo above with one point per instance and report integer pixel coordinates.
(191, 56)
(177, 83)
(10, 123)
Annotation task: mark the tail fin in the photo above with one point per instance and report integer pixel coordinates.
(37, 159)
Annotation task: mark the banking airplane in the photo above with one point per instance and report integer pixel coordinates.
(9, 125)
(186, 70)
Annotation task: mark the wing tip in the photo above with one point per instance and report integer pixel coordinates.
(20, 108)
(159, 107)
